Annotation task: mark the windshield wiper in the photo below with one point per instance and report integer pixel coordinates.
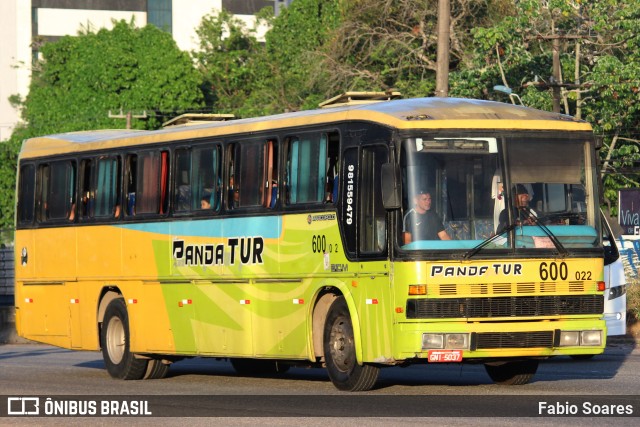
(559, 247)
(488, 241)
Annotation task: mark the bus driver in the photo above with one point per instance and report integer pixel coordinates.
(421, 223)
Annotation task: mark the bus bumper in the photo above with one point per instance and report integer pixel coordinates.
(500, 340)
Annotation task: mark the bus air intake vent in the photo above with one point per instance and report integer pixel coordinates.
(489, 307)
(490, 340)
(526, 288)
(502, 289)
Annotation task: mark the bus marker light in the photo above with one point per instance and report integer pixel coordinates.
(245, 302)
(298, 301)
(601, 286)
(74, 301)
(184, 302)
(354, 283)
(133, 301)
(28, 300)
(372, 301)
(399, 310)
(417, 289)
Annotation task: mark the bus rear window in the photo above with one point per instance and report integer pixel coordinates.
(27, 194)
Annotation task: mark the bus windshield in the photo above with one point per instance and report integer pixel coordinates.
(509, 192)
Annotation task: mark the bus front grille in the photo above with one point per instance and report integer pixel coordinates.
(513, 340)
(488, 307)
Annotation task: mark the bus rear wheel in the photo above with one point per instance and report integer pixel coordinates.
(115, 339)
(516, 372)
(340, 352)
(156, 370)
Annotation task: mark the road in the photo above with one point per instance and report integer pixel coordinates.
(208, 387)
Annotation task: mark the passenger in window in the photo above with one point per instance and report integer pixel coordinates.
(421, 223)
(274, 194)
(205, 202)
(232, 194)
(236, 198)
(116, 211)
(522, 213)
(72, 212)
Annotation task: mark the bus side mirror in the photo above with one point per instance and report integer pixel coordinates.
(611, 255)
(391, 187)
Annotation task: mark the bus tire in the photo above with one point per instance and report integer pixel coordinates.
(516, 372)
(115, 339)
(340, 352)
(156, 370)
(252, 367)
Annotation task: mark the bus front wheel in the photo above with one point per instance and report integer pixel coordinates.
(340, 352)
(516, 372)
(114, 336)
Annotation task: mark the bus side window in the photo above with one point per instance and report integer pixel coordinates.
(205, 187)
(106, 190)
(56, 195)
(85, 209)
(246, 181)
(306, 168)
(131, 182)
(182, 187)
(148, 183)
(271, 170)
(373, 229)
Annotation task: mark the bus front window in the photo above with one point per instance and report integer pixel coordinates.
(457, 196)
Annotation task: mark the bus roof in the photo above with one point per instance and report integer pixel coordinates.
(403, 114)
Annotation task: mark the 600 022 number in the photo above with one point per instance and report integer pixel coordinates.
(553, 271)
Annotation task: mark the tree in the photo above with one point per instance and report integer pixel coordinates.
(228, 60)
(599, 62)
(134, 69)
(81, 78)
(393, 43)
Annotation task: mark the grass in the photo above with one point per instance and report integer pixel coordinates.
(633, 301)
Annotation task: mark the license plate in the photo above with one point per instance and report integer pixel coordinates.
(445, 356)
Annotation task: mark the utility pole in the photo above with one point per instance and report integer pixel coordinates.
(442, 67)
(128, 116)
(556, 74)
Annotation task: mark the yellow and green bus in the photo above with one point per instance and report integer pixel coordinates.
(305, 239)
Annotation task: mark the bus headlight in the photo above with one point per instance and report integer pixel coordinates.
(457, 341)
(569, 338)
(593, 338)
(580, 338)
(432, 341)
(445, 341)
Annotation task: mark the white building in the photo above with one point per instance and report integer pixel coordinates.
(22, 21)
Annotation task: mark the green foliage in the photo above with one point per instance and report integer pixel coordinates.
(292, 77)
(81, 78)
(227, 60)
